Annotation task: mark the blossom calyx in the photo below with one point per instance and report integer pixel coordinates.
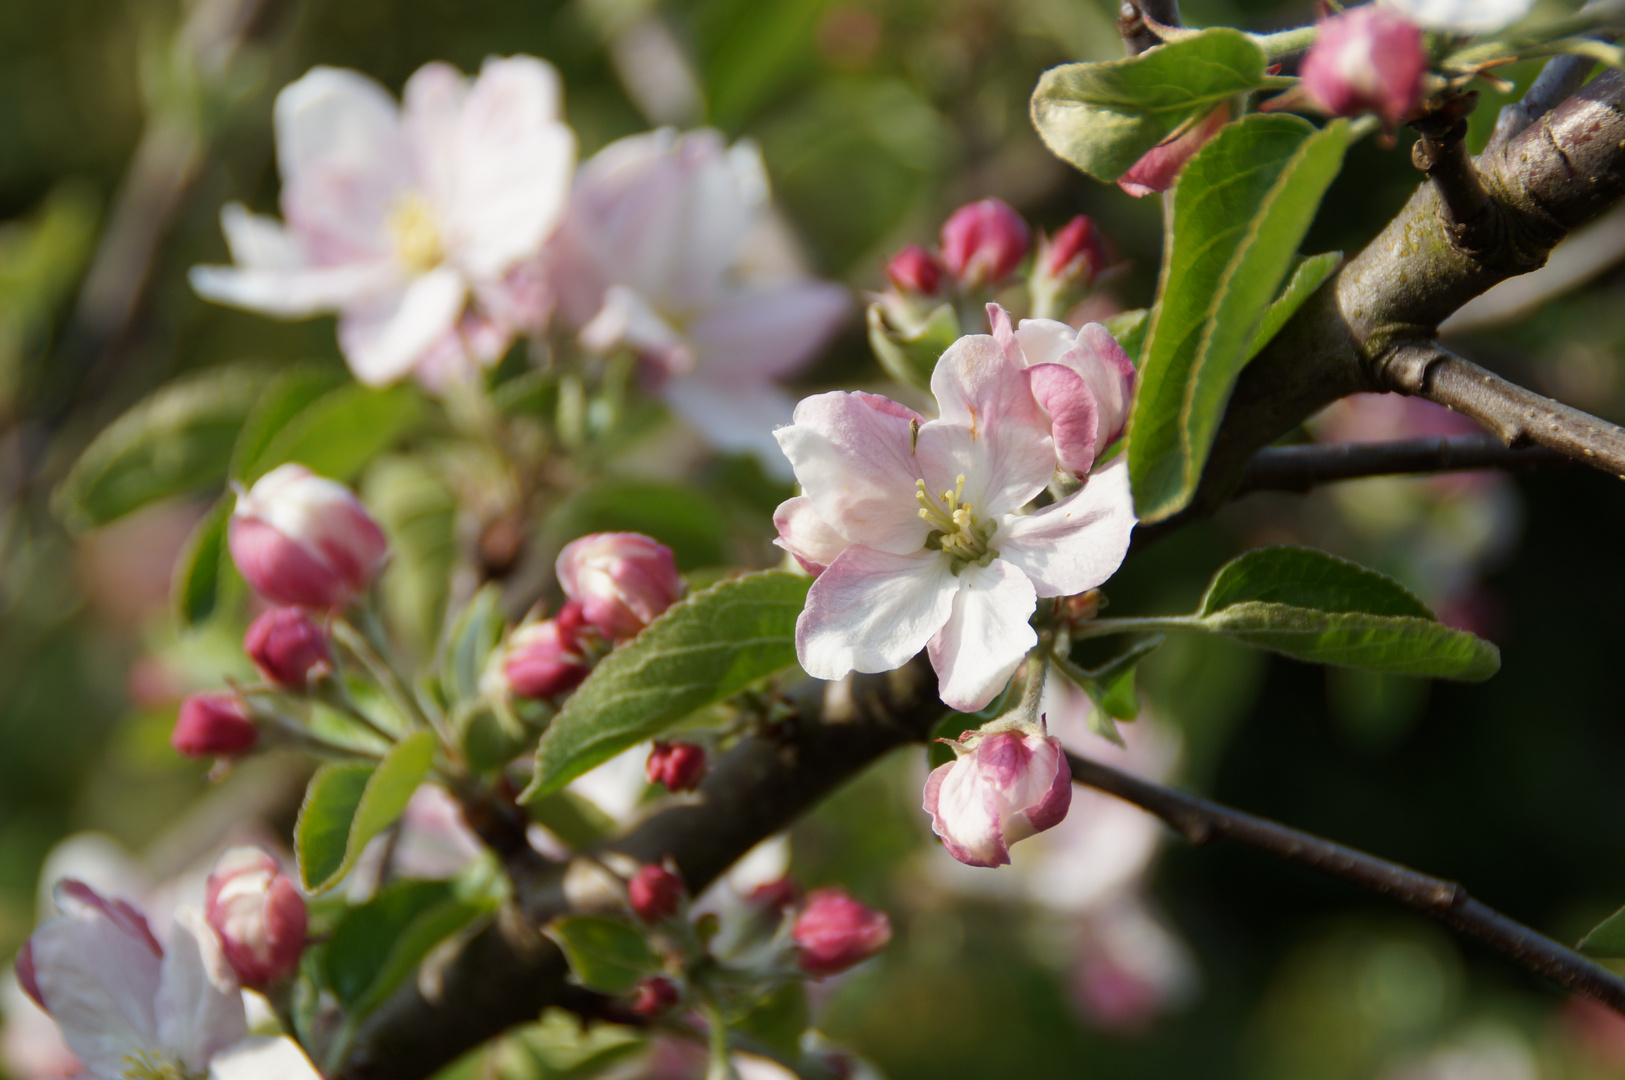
(1009, 780)
(213, 725)
(680, 766)
(654, 892)
(623, 581)
(1367, 59)
(545, 659)
(834, 932)
(983, 243)
(259, 915)
(289, 648)
(305, 540)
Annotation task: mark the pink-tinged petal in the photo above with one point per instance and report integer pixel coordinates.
(990, 429)
(199, 1006)
(628, 319)
(805, 535)
(1161, 165)
(259, 241)
(738, 418)
(262, 1057)
(385, 339)
(1074, 416)
(295, 293)
(281, 571)
(431, 102)
(1368, 59)
(770, 332)
(853, 456)
(871, 611)
(998, 321)
(1076, 544)
(1044, 341)
(986, 637)
(1110, 375)
(965, 814)
(1053, 802)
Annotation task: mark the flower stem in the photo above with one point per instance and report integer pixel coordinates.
(1106, 627)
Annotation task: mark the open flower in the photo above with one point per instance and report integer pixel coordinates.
(1008, 781)
(920, 528)
(128, 1008)
(397, 216)
(668, 250)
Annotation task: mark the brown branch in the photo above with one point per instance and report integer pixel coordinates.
(1137, 36)
(1299, 468)
(1200, 821)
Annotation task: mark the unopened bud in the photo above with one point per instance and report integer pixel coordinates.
(834, 932)
(775, 895)
(1161, 165)
(654, 892)
(680, 766)
(1008, 781)
(258, 914)
(544, 659)
(1075, 254)
(655, 996)
(914, 271)
(983, 243)
(288, 647)
(1367, 59)
(299, 538)
(623, 581)
(213, 725)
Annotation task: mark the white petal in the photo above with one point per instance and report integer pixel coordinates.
(514, 161)
(628, 319)
(1043, 341)
(770, 332)
(852, 456)
(986, 636)
(101, 983)
(258, 241)
(384, 340)
(431, 102)
(199, 1007)
(871, 611)
(295, 293)
(1463, 16)
(1110, 375)
(990, 429)
(806, 535)
(740, 417)
(263, 1058)
(1077, 543)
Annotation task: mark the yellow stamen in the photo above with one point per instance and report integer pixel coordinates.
(417, 241)
(956, 530)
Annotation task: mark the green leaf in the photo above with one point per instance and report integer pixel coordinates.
(1103, 117)
(173, 442)
(1309, 274)
(414, 944)
(347, 805)
(419, 515)
(573, 819)
(289, 394)
(1607, 938)
(606, 955)
(362, 941)
(702, 650)
(202, 565)
(779, 1020)
(911, 356)
(474, 635)
(560, 1047)
(337, 434)
(1316, 607)
(1241, 207)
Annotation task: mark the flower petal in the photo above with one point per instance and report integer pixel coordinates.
(384, 340)
(1075, 544)
(263, 1058)
(295, 293)
(965, 814)
(1074, 416)
(199, 1006)
(1047, 794)
(806, 535)
(872, 611)
(740, 418)
(768, 332)
(989, 429)
(1110, 374)
(986, 637)
(852, 455)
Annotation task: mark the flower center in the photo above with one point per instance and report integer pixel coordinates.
(149, 1065)
(417, 242)
(956, 531)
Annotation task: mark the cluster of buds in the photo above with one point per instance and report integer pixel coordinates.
(678, 766)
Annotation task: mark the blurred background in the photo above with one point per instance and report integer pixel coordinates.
(126, 124)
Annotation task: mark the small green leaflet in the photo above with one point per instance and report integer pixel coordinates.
(911, 358)
(1607, 938)
(338, 433)
(702, 650)
(1103, 117)
(1310, 274)
(202, 564)
(1240, 210)
(347, 805)
(606, 955)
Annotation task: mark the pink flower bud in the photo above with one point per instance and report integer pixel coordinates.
(299, 538)
(259, 915)
(1075, 255)
(544, 659)
(914, 271)
(654, 892)
(1161, 165)
(834, 932)
(1368, 59)
(655, 996)
(983, 243)
(213, 725)
(288, 648)
(678, 765)
(27, 978)
(623, 581)
(1004, 786)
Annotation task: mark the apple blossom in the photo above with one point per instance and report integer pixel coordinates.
(288, 648)
(544, 659)
(398, 216)
(299, 538)
(1367, 59)
(654, 892)
(679, 766)
(213, 725)
(1462, 16)
(833, 932)
(258, 913)
(129, 1008)
(919, 526)
(670, 249)
(623, 581)
(1008, 780)
(1160, 166)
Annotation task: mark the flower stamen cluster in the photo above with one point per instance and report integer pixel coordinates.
(956, 530)
(147, 1065)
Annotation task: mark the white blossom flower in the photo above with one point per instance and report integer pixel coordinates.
(1463, 16)
(397, 216)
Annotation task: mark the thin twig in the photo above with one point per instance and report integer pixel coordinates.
(1137, 36)
(1200, 821)
(1299, 468)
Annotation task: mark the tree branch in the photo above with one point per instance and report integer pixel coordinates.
(1200, 821)
(1137, 36)
(1299, 468)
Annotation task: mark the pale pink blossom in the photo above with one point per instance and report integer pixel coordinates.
(666, 251)
(920, 526)
(1008, 781)
(303, 539)
(1367, 59)
(259, 915)
(623, 581)
(412, 221)
(1082, 378)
